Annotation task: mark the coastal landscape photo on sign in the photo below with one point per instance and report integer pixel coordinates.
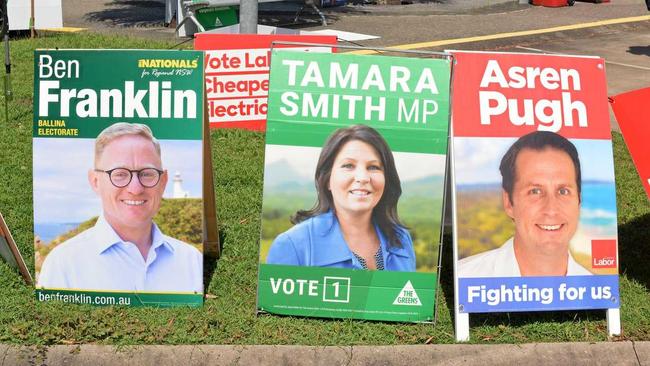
(533, 171)
(353, 185)
(117, 150)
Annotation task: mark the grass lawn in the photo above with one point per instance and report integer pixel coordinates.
(228, 316)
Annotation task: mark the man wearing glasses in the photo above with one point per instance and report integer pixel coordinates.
(125, 250)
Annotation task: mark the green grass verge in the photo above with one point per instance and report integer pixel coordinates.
(229, 317)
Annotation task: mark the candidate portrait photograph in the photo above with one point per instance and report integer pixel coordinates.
(352, 203)
(121, 212)
(531, 206)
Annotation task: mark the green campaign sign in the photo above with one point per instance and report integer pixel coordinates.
(406, 96)
(353, 186)
(80, 92)
(114, 298)
(334, 293)
(118, 177)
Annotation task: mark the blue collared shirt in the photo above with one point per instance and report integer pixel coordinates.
(98, 259)
(318, 241)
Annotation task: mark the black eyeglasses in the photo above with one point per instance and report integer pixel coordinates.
(121, 177)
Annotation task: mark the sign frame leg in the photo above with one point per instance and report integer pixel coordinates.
(211, 245)
(614, 322)
(462, 327)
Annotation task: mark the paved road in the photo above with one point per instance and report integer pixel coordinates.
(626, 46)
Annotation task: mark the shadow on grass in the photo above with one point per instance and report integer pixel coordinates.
(633, 249)
(210, 262)
(209, 267)
(517, 319)
(447, 272)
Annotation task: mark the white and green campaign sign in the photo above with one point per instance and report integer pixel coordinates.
(353, 186)
(118, 144)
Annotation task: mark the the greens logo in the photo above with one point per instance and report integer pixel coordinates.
(407, 296)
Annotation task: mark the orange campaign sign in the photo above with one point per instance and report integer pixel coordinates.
(237, 74)
(633, 116)
(533, 184)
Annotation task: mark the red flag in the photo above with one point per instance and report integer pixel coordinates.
(633, 116)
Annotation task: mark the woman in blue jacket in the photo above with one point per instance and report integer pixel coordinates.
(354, 223)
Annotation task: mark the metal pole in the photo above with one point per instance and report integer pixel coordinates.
(31, 20)
(7, 78)
(248, 16)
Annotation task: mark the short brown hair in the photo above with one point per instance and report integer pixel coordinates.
(385, 213)
(537, 141)
(120, 129)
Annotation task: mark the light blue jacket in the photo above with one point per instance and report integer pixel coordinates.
(318, 241)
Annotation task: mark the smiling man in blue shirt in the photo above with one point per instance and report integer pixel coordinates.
(541, 193)
(125, 250)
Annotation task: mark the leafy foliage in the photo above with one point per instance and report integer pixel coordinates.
(181, 218)
(483, 225)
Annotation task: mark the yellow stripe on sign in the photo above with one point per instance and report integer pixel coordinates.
(64, 29)
(488, 37)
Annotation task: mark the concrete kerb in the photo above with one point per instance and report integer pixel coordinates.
(642, 350)
(606, 353)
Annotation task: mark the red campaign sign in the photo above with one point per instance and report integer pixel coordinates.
(237, 75)
(633, 116)
(512, 94)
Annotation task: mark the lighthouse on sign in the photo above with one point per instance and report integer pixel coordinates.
(178, 191)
